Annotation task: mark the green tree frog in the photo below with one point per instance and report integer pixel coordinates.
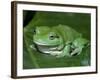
(59, 41)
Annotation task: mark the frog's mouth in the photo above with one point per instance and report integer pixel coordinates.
(46, 48)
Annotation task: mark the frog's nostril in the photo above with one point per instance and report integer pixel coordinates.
(57, 36)
(34, 31)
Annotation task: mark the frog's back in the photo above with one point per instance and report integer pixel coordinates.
(67, 33)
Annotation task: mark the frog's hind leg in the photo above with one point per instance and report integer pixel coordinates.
(78, 45)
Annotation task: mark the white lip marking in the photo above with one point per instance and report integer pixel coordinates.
(55, 48)
(46, 49)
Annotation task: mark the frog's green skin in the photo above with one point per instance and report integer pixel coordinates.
(58, 40)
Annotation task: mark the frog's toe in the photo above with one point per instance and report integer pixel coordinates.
(61, 55)
(55, 53)
(75, 52)
(32, 47)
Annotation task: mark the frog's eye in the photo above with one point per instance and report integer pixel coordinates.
(51, 37)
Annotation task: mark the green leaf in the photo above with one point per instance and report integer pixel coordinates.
(34, 59)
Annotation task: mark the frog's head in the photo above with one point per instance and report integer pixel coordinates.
(46, 39)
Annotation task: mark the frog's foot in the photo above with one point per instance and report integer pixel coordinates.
(55, 53)
(32, 47)
(75, 51)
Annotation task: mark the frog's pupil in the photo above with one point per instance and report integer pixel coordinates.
(52, 37)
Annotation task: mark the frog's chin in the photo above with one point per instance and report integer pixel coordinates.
(46, 48)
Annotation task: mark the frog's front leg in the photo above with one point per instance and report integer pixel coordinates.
(64, 52)
(32, 46)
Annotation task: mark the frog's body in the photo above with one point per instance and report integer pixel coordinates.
(58, 41)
